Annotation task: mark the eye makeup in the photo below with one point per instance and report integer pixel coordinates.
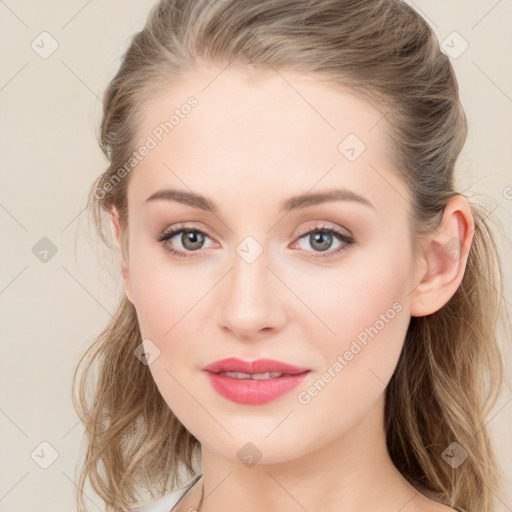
(331, 232)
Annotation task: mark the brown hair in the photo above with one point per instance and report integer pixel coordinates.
(450, 370)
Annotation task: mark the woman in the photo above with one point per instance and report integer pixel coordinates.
(310, 308)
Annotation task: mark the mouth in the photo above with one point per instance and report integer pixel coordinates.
(253, 382)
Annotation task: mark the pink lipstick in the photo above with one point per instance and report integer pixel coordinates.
(253, 382)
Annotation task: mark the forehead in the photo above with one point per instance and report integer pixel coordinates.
(259, 132)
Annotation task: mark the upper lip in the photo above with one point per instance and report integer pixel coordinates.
(258, 366)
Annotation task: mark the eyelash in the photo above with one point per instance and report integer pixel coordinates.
(346, 239)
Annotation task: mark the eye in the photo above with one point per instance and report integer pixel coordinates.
(321, 239)
(191, 239)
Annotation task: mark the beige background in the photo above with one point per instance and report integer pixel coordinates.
(52, 310)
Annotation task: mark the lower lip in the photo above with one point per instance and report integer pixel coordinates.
(251, 391)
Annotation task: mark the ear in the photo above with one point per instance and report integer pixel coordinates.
(444, 257)
(118, 236)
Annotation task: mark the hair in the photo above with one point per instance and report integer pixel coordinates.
(449, 372)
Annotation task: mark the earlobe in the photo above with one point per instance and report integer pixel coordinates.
(114, 225)
(126, 282)
(117, 235)
(445, 255)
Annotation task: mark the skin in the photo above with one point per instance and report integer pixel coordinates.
(249, 145)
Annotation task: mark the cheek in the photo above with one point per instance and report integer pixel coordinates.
(364, 310)
(370, 319)
(167, 300)
(367, 288)
(164, 291)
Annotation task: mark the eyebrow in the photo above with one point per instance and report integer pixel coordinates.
(293, 203)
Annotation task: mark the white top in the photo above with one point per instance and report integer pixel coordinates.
(167, 502)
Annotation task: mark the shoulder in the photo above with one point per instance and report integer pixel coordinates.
(165, 503)
(434, 506)
(444, 508)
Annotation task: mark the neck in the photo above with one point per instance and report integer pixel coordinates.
(353, 471)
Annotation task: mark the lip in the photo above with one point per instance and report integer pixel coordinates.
(249, 391)
(232, 364)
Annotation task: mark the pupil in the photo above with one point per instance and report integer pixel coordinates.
(317, 237)
(195, 238)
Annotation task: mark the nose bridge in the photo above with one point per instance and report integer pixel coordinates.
(251, 301)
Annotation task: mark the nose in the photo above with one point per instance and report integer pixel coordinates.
(251, 299)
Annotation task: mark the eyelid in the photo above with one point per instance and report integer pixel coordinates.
(185, 227)
(323, 225)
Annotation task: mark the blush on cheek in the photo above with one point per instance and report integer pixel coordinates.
(159, 292)
(348, 306)
(370, 323)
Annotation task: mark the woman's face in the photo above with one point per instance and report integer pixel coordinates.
(257, 278)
